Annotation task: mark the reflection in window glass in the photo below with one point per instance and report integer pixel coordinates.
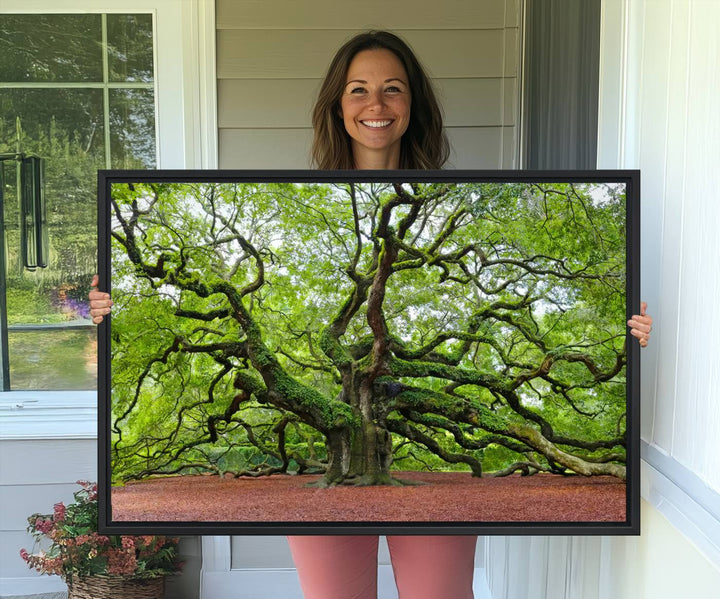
(54, 359)
(132, 128)
(52, 120)
(130, 44)
(65, 127)
(52, 342)
(37, 48)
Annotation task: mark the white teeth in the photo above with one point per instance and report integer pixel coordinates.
(376, 123)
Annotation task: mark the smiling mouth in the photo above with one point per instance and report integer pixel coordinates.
(376, 124)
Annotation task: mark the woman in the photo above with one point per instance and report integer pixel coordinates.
(377, 110)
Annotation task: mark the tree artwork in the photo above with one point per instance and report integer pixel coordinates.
(356, 329)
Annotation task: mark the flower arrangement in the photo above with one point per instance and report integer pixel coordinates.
(77, 550)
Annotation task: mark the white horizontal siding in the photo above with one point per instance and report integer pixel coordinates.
(49, 461)
(252, 54)
(471, 147)
(479, 147)
(271, 58)
(466, 102)
(264, 148)
(35, 475)
(19, 501)
(396, 15)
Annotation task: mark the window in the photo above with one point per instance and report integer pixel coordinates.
(78, 91)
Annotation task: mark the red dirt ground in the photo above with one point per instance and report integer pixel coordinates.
(449, 497)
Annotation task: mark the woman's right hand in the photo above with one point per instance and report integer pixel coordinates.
(100, 302)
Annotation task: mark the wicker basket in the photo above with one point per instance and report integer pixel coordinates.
(116, 587)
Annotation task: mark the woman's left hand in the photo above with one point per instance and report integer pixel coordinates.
(641, 325)
(100, 302)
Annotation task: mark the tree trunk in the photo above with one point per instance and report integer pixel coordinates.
(360, 455)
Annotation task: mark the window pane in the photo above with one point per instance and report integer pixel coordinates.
(54, 122)
(130, 47)
(65, 127)
(53, 359)
(50, 48)
(132, 128)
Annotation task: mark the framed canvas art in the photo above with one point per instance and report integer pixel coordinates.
(385, 352)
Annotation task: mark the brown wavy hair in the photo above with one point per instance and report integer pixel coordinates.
(424, 145)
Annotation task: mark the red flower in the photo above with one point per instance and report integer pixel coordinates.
(43, 526)
(73, 554)
(128, 542)
(121, 562)
(59, 512)
(89, 488)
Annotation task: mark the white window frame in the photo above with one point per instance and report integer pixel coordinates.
(186, 131)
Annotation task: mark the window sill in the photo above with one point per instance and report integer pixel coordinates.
(683, 498)
(48, 415)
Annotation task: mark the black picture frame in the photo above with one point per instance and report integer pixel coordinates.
(627, 180)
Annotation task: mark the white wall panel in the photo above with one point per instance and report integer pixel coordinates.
(477, 102)
(511, 142)
(669, 125)
(697, 424)
(652, 118)
(11, 564)
(20, 501)
(471, 148)
(510, 100)
(260, 552)
(672, 229)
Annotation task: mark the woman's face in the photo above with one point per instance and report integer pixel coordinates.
(375, 107)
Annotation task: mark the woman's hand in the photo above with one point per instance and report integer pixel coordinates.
(641, 325)
(100, 302)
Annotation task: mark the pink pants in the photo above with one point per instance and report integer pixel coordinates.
(338, 567)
